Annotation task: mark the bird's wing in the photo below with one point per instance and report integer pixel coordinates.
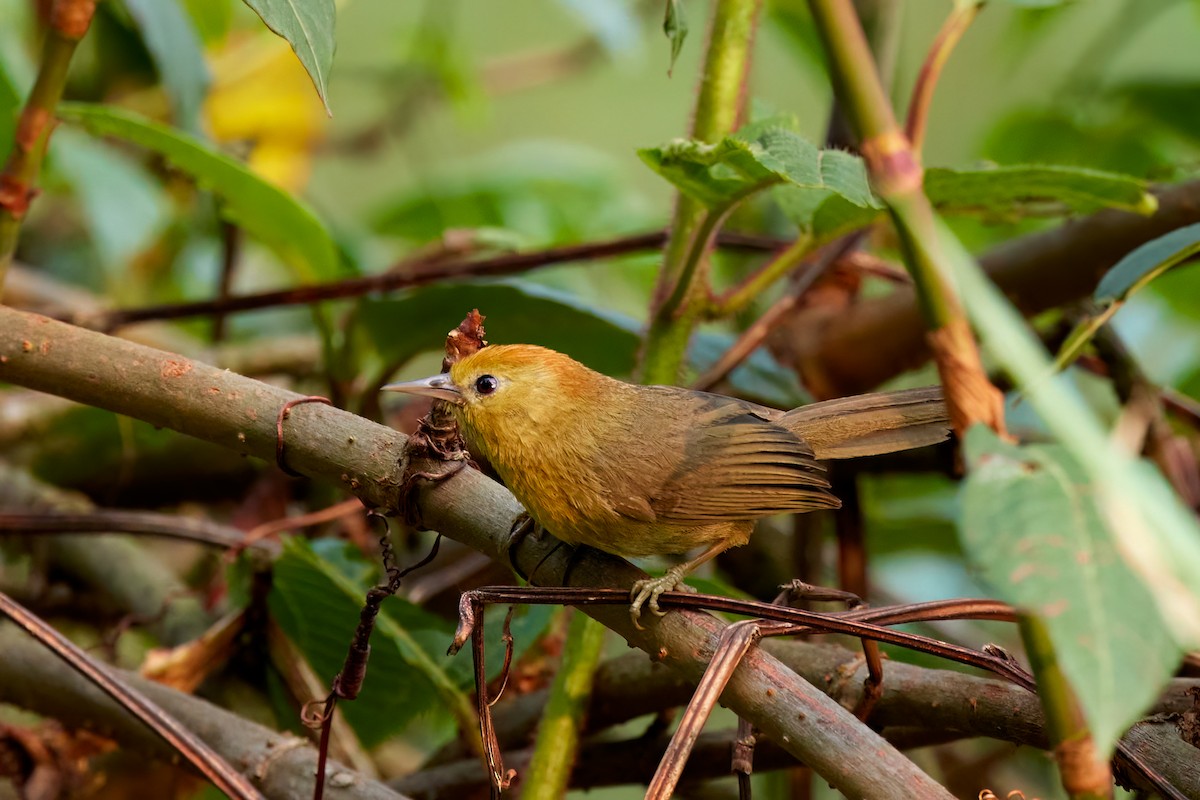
(737, 466)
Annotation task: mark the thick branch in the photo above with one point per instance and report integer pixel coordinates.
(280, 765)
(950, 702)
(366, 458)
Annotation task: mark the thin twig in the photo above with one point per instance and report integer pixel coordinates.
(757, 333)
(795, 621)
(420, 272)
(147, 523)
(731, 647)
(866, 623)
(952, 31)
(740, 296)
(266, 530)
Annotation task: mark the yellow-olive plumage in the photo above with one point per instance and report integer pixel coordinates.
(646, 470)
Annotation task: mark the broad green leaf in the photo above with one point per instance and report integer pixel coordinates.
(1032, 526)
(1130, 274)
(175, 47)
(517, 313)
(715, 174)
(283, 223)
(825, 215)
(769, 154)
(308, 26)
(316, 594)
(676, 29)
(1001, 191)
(1146, 263)
(317, 606)
(123, 206)
(1157, 535)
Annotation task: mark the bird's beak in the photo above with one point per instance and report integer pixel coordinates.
(438, 386)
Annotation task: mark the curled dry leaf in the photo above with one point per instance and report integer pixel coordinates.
(464, 340)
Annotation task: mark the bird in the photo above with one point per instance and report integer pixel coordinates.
(637, 470)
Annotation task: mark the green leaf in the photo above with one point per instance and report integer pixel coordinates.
(283, 223)
(318, 606)
(1157, 534)
(1031, 524)
(175, 47)
(1129, 275)
(715, 174)
(516, 312)
(676, 29)
(308, 26)
(769, 154)
(1146, 263)
(1002, 191)
(124, 208)
(825, 214)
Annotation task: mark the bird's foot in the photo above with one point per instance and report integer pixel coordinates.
(646, 593)
(521, 528)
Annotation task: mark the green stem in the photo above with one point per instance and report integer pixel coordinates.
(558, 734)
(939, 53)
(696, 255)
(896, 173)
(684, 276)
(853, 70)
(69, 21)
(742, 295)
(914, 221)
(893, 166)
(1084, 775)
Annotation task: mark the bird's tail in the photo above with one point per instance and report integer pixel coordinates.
(871, 424)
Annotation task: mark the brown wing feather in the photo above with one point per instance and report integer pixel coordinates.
(736, 466)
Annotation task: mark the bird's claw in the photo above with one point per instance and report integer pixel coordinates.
(647, 591)
(522, 527)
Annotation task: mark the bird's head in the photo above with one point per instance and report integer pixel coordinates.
(509, 389)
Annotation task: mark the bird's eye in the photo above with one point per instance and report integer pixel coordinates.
(486, 384)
